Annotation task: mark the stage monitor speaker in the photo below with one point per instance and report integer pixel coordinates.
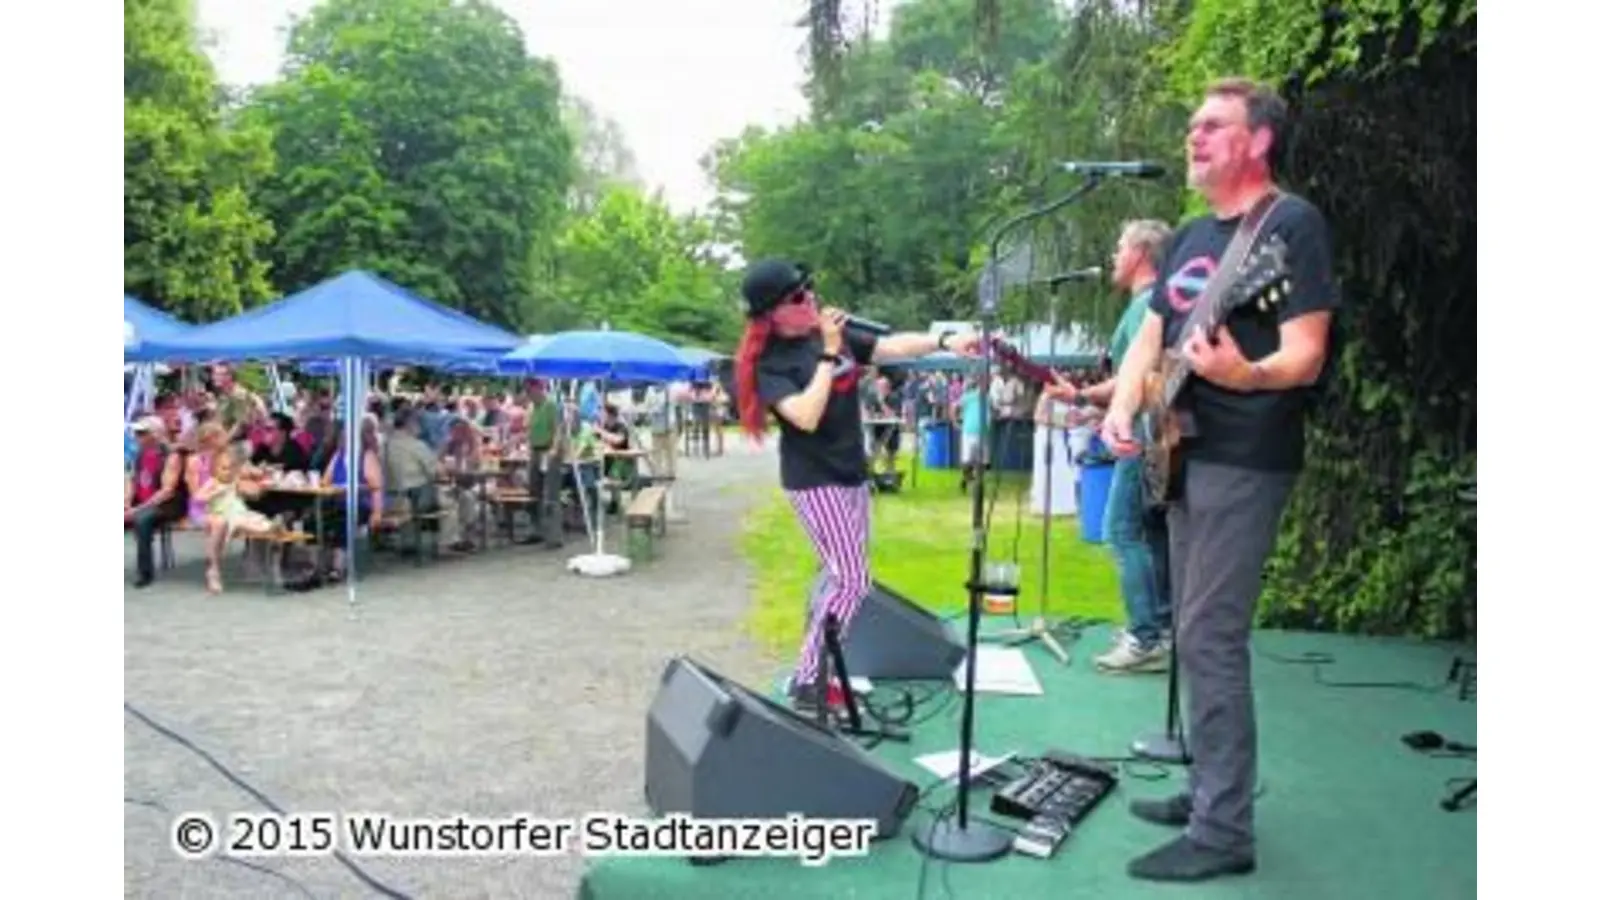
(892, 637)
(715, 749)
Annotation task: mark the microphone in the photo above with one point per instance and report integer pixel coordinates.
(1138, 169)
(866, 325)
(1092, 273)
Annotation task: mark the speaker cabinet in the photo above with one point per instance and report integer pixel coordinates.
(894, 638)
(717, 750)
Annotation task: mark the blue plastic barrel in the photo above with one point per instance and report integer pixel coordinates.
(935, 442)
(1095, 490)
(1011, 446)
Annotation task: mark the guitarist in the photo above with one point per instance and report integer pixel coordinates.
(1138, 540)
(1247, 401)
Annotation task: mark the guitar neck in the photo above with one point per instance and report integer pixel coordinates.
(1015, 361)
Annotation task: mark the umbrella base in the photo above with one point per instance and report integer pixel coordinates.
(599, 565)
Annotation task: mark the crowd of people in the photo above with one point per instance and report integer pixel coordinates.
(218, 459)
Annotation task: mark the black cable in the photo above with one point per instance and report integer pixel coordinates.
(1316, 660)
(1460, 792)
(261, 798)
(927, 858)
(254, 867)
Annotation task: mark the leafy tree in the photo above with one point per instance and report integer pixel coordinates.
(418, 139)
(192, 238)
(632, 265)
(929, 139)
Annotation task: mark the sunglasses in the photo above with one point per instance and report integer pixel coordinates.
(801, 296)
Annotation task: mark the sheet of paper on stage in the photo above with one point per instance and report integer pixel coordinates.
(947, 764)
(1001, 670)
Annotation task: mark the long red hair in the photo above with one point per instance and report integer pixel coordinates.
(752, 415)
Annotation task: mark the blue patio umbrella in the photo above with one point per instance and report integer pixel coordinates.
(613, 355)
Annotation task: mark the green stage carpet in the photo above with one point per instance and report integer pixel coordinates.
(1347, 811)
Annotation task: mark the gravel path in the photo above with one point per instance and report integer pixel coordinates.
(484, 686)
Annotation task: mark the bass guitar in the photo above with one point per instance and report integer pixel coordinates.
(1262, 283)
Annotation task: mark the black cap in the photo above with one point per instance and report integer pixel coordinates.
(768, 281)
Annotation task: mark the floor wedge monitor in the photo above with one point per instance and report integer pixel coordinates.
(894, 638)
(715, 749)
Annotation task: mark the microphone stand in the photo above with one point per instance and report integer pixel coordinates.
(1040, 628)
(1168, 746)
(967, 839)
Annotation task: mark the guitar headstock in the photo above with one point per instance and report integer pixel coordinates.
(1263, 280)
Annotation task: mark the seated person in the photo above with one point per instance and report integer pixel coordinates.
(156, 493)
(227, 514)
(614, 434)
(368, 484)
(583, 457)
(881, 403)
(278, 451)
(463, 452)
(409, 467)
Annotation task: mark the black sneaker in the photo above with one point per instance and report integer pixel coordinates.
(1184, 860)
(1172, 811)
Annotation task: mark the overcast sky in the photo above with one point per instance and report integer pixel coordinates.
(677, 75)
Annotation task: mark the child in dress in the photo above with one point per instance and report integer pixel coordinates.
(227, 513)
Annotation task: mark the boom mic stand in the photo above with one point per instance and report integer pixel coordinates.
(967, 839)
(1040, 628)
(1168, 746)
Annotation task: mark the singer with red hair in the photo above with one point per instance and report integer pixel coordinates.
(803, 364)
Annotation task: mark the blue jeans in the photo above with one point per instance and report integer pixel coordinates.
(1139, 544)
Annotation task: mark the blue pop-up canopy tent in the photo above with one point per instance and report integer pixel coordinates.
(142, 322)
(355, 317)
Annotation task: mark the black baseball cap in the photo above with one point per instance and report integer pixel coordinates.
(768, 281)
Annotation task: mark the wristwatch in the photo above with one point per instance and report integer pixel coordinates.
(832, 357)
(944, 339)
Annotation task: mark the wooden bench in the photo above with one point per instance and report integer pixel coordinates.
(277, 542)
(507, 501)
(276, 548)
(416, 524)
(647, 519)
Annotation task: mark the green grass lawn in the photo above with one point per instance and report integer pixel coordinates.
(921, 546)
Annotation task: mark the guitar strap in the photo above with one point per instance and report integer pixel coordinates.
(1244, 239)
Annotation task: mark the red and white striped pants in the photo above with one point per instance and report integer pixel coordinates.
(836, 519)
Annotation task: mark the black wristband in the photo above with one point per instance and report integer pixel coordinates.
(944, 340)
(831, 357)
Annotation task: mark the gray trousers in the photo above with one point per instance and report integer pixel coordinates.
(1221, 533)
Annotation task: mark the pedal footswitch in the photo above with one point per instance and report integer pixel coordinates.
(1041, 836)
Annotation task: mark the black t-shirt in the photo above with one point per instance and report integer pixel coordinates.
(293, 457)
(835, 453)
(1260, 429)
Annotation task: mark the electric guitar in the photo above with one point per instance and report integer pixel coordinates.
(1262, 283)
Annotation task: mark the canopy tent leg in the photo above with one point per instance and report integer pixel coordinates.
(353, 374)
